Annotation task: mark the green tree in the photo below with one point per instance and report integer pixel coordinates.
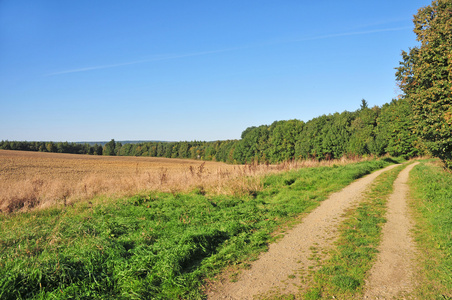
(362, 130)
(309, 143)
(127, 150)
(252, 145)
(395, 128)
(183, 150)
(98, 149)
(118, 147)
(364, 104)
(336, 135)
(283, 139)
(50, 146)
(109, 148)
(425, 77)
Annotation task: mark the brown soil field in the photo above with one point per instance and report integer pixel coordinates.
(38, 180)
(30, 179)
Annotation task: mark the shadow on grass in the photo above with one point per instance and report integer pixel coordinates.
(391, 160)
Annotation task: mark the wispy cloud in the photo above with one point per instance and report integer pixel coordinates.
(176, 56)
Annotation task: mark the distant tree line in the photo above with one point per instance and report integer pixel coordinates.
(55, 147)
(366, 131)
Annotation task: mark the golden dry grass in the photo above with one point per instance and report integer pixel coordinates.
(35, 179)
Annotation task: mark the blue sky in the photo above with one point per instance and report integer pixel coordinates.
(191, 70)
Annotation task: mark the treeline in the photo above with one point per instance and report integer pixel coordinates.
(218, 150)
(366, 131)
(377, 131)
(55, 147)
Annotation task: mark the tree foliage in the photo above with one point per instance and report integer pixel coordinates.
(110, 148)
(395, 130)
(366, 131)
(425, 77)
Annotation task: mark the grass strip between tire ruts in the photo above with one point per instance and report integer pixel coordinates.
(342, 274)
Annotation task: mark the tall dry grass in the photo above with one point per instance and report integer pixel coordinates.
(37, 180)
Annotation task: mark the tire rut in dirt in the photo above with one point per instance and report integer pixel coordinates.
(391, 276)
(280, 268)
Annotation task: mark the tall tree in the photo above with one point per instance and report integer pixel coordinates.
(283, 139)
(394, 132)
(362, 130)
(109, 148)
(425, 77)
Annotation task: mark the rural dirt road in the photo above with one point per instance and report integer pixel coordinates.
(391, 276)
(279, 269)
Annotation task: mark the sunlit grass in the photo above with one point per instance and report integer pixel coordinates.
(432, 204)
(342, 274)
(158, 246)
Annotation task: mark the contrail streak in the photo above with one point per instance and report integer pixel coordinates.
(175, 56)
(351, 33)
(157, 58)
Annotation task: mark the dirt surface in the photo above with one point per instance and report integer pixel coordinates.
(391, 276)
(279, 270)
(37, 179)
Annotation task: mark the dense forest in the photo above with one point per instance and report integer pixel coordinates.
(376, 130)
(418, 122)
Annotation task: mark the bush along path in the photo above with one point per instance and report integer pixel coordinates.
(283, 270)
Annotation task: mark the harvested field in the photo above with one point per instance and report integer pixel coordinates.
(36, 179)
(29, 179)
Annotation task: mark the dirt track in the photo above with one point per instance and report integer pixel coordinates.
(278, 269)
(391, 276)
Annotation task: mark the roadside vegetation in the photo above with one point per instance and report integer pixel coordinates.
(162, 245)
(343, 272)
(431, 188)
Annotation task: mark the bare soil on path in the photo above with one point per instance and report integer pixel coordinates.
(279, 269)
(391, 276)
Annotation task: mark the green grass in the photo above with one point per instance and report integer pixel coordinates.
(431, 188)
(342, 274)
(160, 246)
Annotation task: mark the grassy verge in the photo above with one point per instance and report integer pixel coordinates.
(161, 246)
(342, 274)
(431, 188)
